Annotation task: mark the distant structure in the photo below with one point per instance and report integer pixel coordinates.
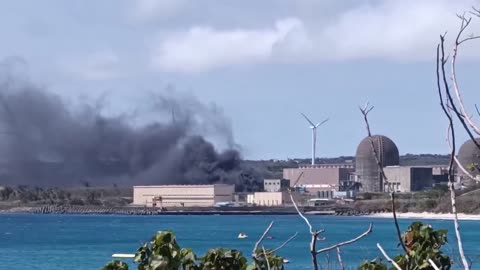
(469, 158)
(182, 195)
(314, 135)
(366, 167)
(440, 175)
(268, 198)
(321, 177)
(276, 185)
(408, 178)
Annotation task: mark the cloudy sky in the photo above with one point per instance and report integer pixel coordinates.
(263, 62)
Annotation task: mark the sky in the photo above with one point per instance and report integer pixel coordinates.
(262, 62)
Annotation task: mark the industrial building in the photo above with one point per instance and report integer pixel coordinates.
(408, 178)
(182, 195)
(276, 185)
(268, 198)
(323, 177)
(439, 175)
(366, 167)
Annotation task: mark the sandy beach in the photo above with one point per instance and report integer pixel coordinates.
(426, 215)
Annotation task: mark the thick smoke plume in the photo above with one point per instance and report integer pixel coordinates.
(47, 142)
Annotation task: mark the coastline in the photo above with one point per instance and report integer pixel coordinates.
(425, 215)
(89, 210)
(92, 210)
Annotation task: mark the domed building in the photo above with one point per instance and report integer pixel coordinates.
(366, 167)
(469, 157)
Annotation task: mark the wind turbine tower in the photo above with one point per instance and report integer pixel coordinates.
(314, 134)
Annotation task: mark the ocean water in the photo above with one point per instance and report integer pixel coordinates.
(51, 242)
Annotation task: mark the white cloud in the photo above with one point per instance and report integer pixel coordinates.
(100, 65)
(393, 30)
(205, 48)
(397, 30)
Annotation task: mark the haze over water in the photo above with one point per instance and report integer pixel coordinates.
(58, 242)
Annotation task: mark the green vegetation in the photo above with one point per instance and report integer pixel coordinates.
(164, 253)
(115, 265)
(422, 243)
(32, 196)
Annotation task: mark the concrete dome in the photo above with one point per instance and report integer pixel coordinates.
(366, 166)
(469, 155)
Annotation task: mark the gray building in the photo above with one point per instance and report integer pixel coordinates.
(408, 178)
(320, 177)
(440, 175)
(366, 167)
(276, 185)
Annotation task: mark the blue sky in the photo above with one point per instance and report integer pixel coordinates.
(263, 62)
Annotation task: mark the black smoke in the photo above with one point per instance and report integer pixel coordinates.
(46, 141)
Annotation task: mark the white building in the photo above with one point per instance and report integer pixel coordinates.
(182, 195)
(267, 198)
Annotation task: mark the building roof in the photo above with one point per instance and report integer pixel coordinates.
(469, 154)
(322, 166)
(366, 166)
(385, 147)
(185, 186)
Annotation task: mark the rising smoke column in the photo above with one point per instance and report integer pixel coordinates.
(45, 141)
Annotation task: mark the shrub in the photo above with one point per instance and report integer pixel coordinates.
(422, 243)
(164, 253)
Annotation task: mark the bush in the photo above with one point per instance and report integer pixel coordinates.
(164, 253)
(422, 243)
(115, 265)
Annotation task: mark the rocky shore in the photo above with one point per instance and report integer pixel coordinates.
(102, 210)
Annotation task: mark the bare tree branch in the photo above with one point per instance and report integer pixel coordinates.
(310, 228)
(254, 251)
(369, 230)
(316, 233)
(365, 110)
(458, 42)
(459, 165)
(313, 242)
(284, 243)
(266, 258)
(475, 12)
(432, 263)
(340, 262)
(312, 232)
(397, 227)
(441, 59)
(451, 103)
(390, 260)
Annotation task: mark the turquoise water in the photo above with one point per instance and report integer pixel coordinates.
(70, 242)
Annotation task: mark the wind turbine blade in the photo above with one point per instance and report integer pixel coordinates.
(306, 118)
(321, 123)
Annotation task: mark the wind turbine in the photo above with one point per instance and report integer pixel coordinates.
(314, 134)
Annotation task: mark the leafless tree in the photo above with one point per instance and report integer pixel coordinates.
(389, 259)
(365, 110)
(315, 233)
(263, 251)
(340, 261)
(457, 109)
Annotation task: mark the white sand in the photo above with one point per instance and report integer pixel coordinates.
(426, 215)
